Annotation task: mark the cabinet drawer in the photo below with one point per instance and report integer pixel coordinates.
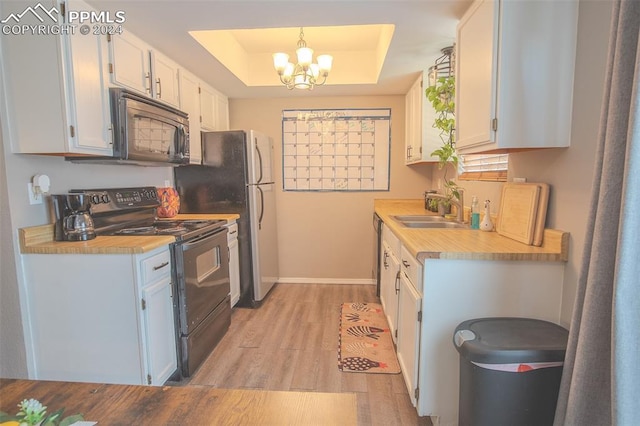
(412, 268)
(391, 240)
(155, 267)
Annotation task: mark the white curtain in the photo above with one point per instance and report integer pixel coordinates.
(601, 379)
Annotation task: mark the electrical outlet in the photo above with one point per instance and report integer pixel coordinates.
(33, 197)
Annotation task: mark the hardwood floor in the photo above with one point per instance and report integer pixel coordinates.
(290, 344)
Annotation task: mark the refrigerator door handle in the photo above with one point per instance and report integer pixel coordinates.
(259, 160)
(261, 207)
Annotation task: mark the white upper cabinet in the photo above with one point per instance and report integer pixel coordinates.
(190, 103)
(54, 86)
(129, 63)
(222, 112)
(514, 75)
(137, 66)
(214, 108)
(165, 79)
(421, 138)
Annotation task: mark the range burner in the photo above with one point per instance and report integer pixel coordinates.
(178, 228)
(137, 230)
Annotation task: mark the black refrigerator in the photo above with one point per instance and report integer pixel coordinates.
(236, 176)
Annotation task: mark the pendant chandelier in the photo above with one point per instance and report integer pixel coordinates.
(305, 74)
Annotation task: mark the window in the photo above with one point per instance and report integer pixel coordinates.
(486, 167)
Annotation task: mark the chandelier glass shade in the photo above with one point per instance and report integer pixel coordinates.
(305, 74)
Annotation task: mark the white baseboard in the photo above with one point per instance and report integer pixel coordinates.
(339, 281)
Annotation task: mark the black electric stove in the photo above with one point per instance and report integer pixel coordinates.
(200, 265)
(132, 211)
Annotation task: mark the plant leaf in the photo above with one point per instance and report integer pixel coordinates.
(71, 420)
(53, 418)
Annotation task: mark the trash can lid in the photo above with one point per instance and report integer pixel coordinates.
(510, 340)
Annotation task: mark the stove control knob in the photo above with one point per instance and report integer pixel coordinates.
(95, 199)
(105, 198)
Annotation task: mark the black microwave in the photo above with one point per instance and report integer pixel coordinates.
(145, 132)
(148, 130)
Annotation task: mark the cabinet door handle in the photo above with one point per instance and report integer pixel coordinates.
(405, 263)
(147, 85)
(386, 255)
(159, 85)
(397, 283)
(162, 265)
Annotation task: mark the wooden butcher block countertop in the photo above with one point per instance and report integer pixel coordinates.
(39, 240)
(188, 405)
(465, 243)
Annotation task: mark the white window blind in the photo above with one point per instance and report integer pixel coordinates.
(484, 166)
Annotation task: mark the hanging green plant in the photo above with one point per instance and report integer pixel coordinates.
(442, 96)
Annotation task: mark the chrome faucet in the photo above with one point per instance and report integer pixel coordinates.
(458, 203)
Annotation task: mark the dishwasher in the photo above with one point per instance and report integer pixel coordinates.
(377, 248)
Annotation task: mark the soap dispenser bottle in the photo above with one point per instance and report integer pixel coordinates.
(486, 224)
(475, 213)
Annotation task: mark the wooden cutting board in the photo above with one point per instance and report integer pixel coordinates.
(518, 208)
(541, 215)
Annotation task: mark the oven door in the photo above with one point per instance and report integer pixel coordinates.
(202, 270)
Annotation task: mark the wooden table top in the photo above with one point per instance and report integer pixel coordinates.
(189, 405)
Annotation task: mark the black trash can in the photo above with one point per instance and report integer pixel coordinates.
(510, 371)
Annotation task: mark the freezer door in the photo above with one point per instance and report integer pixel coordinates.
(260, 158)
(265, 241)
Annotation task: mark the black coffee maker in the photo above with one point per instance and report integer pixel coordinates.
(73, 221)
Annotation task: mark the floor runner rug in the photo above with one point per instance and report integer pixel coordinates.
(365, 344)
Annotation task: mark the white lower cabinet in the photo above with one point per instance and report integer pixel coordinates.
(105, 318)
(436, 295)
(389, 277)
(158, 318)
(234, 262)
(456, 290)
(408, 345)
(402, 304)
(159, 333)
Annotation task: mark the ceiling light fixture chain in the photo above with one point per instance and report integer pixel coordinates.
(305, 74)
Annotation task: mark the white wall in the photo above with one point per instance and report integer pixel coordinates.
(12, 350)
(15, 172)
(569, 171)
(328, 236)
